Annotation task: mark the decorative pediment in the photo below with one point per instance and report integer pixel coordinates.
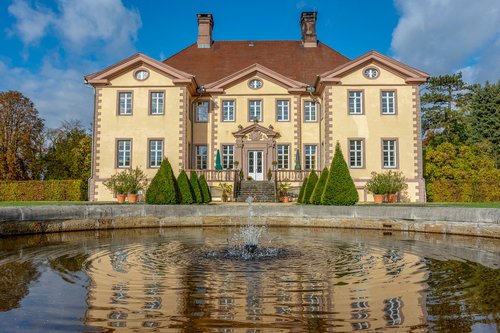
(255, 132)
(409, 74)
(255, 69)
(135, 61)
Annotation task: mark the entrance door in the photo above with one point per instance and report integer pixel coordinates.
(255, 167)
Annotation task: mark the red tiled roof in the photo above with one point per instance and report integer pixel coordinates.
(288, 58)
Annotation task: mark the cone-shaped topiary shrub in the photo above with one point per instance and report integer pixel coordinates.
(311, 184)
(302, 190)
(205, 190)
(195, 184)
(318, 189)
(339, 188)
(163, 189)
(187, 194)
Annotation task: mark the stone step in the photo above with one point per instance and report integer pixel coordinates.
(260, 191)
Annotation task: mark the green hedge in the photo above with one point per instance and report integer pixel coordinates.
(47, 190)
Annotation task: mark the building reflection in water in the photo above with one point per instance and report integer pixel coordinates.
(139, 290)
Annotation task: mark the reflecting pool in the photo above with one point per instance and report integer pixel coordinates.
(309, 280)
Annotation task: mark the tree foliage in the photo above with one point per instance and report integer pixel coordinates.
(339, 189)
(318, 189)
(443, 118)
(460, 173)
(21, 138)
(69, 153)
(186, 191)
(195, 184)
(311, 184)
(300, 199)
(163, 189)
(484, 119)
(205, 190)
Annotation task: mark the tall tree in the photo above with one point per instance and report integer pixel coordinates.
(443, 119)
(69, 152)
(484, 119)
(21, 137)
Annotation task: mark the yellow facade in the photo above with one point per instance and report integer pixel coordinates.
(343, 105)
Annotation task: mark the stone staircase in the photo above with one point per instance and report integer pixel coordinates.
(260, 191)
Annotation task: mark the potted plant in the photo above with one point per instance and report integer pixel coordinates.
(269, 174)
(235, 165)
(227, 190)
(135, 180)
(283, 188)
(275, 164)
(117, 185)
(396, 183)
(378, 185)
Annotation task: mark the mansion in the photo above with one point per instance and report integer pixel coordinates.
(259, 105)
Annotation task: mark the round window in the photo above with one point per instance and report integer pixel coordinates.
(255, 83)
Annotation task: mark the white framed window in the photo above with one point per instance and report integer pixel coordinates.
(201, 111)
(310, 111)
(227, 156)
(202, 157)
(355, 102)
(389, 153)
(123, 153)
(388, 100)
(283, 110)
(283, 156)
(228, 110)
(125, 103)
(310, 157)
(356, 153)
(157, 102)
(255, 110)
(155, 153)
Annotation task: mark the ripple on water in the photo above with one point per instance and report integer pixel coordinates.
(294, 280)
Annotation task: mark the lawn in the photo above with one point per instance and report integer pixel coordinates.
(427, 204)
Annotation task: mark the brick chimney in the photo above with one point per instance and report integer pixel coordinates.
(308, 27)
(205, 26)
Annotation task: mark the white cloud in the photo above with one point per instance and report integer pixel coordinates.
(58, 94)
(444, 36)
(87, 29)
(32, 23)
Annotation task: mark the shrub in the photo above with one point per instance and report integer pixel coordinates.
(311, 184)
(318, 189)
(195, 184)
(163, 189)
(302, 190)
(339, 188)
(185, 189)
(205, 190)
(378, 184)
(47, 190)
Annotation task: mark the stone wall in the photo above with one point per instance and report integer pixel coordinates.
(448, 220)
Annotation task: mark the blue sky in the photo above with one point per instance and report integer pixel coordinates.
(47, 46)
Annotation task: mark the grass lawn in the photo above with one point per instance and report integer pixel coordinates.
(427, 204)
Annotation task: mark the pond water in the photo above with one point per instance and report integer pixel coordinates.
(298, 280)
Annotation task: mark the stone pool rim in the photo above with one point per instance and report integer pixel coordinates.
(480, 222)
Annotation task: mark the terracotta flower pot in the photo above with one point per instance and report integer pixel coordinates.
(132, 198)
(285, 199)
(121, 198)
(391, 198)
(378, 198)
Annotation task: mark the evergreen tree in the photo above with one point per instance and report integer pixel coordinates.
(311, 184)
(318, 189)
(484, 119)
(302, 190)
(163, 189)
(339, 189)
(443, 119)
(205, 190)
(186, 190)
(195, 184)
